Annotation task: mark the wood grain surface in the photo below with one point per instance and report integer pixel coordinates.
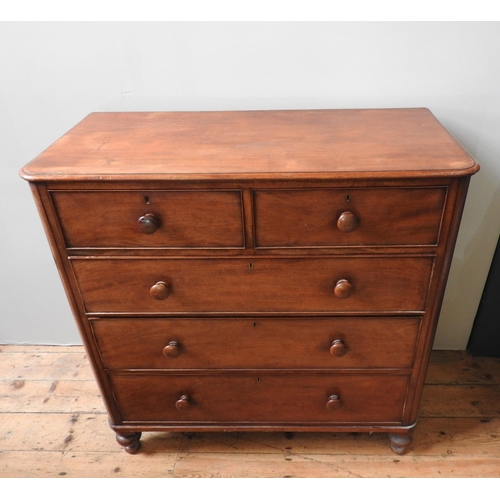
(375, 143)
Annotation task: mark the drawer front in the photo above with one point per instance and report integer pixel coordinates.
(208, 343)
(178, 219)
(346, 217)
(260, 285)
(260, 398)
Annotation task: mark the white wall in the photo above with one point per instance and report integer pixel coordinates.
(53, 74)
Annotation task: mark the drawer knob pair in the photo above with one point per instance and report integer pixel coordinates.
(148, 223)
(347, 222)
(184, 403)
(160, 290)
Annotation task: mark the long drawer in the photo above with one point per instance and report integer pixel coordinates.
(260, 398)
(254, 285)
(258, 343)
(177, 219)
(348, 217)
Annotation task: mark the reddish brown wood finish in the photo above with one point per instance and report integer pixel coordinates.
(348, 222)
(278, 270)
(160, 290)
(265, 398)
(345, 217)
(339, 349)
(229, 285)
(172, 350)
(148, 218)
(334, 403)
(130, 442)
(271, 343)
(354, 144)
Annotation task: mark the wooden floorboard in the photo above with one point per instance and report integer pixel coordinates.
(53, 424)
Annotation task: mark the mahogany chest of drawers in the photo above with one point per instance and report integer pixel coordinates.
(267, 270)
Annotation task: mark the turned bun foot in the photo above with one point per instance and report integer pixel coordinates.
(400, 442)
(131, 442)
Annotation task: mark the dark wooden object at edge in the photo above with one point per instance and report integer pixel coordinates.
(485, 336)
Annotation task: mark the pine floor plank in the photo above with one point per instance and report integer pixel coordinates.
(119, 464)
(472, 437)
(458, 367)
(333, 466)
(90, 432)
(433, 436)
(65, 396)
(50, 464)
(461, 401)
(82, 432)
(39, 365)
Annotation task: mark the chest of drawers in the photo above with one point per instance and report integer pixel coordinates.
(272, 270)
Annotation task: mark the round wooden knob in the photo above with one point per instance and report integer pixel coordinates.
(183, 403)
(148, 223)
(172, 350)
(347, 222)
(334, 403)
(160, 290)
(338, 349)
(343, 289)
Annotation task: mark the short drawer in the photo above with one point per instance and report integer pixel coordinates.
(348, 217)
(260, 398)
(238, 285)
(177, 219)
(214, 343)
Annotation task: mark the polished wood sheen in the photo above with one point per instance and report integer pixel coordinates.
(348, 144)
(230, 285)
(172, 350)
(264, 270)
(343, 289)
(334, 403)
(261, 398)
(347, 217)
(348, 222)
(256, 342)
(149, 223)
(183, 403)
(338, 348)
(150, 218)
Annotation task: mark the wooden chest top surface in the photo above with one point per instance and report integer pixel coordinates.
(318, 144)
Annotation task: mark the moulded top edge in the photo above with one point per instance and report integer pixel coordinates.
(245, 177)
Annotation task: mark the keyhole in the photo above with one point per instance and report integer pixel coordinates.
(146, 200)
(258, 379)
(348, 198)
(250, 265)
